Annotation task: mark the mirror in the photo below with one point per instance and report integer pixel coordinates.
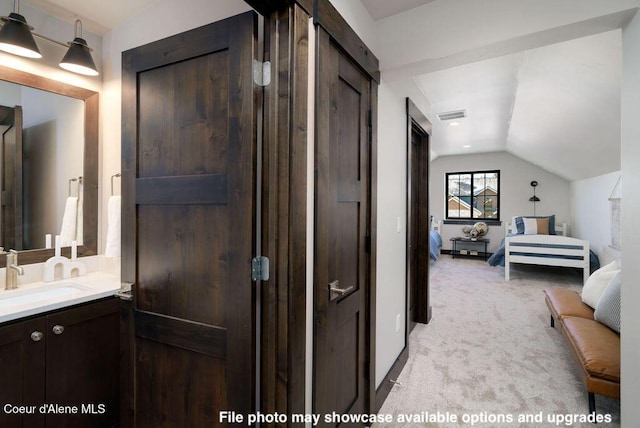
(85, 104)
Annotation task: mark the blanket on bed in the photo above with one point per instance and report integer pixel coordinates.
(434, 244)
(497, 258)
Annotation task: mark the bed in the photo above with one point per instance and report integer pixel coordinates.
(542, 249)
(435, 240)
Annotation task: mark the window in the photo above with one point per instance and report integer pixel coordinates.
(473, 195)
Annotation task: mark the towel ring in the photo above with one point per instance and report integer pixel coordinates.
(73, 180)
(112, 177)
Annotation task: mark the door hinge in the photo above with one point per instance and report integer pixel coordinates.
(370, 118)
(261, 73)
(260, 268)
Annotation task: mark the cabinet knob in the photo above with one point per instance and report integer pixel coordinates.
(58, 329)
(37, 336)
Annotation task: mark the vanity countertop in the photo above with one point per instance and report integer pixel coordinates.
(39, 297)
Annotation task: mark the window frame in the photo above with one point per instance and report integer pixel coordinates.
(471, 218)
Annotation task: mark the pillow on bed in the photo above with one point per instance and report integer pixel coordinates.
(597, 283)
(608, 309)
(519, 222)
(536, 226)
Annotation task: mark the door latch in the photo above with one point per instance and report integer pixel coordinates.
(125, 291)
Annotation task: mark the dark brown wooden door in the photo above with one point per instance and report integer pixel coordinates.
(11, 177)
(343, 187)
(419, 227)
(189, 174)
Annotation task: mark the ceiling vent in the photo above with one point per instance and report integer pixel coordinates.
(451, 115)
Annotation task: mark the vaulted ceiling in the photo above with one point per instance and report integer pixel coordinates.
(537, 78)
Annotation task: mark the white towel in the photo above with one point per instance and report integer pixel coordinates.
(80, 221)
(112, 248)
(69, 221)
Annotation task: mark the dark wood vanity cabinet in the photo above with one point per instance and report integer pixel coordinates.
(62, 368)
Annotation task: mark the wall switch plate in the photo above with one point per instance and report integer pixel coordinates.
(398, 224)
(397, 323)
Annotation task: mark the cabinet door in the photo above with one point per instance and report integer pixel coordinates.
(83, 355)
(22, 372)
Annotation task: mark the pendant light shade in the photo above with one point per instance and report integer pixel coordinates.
(78, 58)
(16, 37)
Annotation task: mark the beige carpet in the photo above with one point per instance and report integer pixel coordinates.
(489, 354)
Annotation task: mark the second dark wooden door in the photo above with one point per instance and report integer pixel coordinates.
(419, 227)
(342, 221)
(189, 230)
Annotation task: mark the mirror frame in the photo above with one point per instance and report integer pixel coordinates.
(90, 168)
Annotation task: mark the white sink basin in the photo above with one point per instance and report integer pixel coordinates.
(19, 296)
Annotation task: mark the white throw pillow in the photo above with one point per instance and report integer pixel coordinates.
(530, 226)
(608, 309)
(597, 283)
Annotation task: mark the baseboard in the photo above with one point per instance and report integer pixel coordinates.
(387, 383)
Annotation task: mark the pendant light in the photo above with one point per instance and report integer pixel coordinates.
(15, 35)
(78, 58)
(534, 198)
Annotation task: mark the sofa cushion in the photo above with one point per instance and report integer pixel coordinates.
(608, 309)
(597, 282)
(566, 303)
(596, 345)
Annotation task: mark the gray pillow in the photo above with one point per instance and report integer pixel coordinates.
(608, 308)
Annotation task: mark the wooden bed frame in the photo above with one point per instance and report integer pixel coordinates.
(546, 250)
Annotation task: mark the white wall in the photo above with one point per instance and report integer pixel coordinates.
(391, 242)
(630, 154)
(354, 12)
(515, 190)
(591, 214)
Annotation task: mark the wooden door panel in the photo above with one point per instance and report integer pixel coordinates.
(176, 251)
(201, 375)
(342, 224)
(418, 221)
(192, 176)
(173, 108)
(347, 340)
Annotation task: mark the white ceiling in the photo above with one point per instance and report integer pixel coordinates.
(98, 16)
(379, 9)
(556, 106)
(538, 78)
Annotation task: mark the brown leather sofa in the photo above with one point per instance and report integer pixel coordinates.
(595, 346)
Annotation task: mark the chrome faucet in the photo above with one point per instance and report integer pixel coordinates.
(13, 270)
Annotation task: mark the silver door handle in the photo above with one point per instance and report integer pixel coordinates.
(333, 286)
